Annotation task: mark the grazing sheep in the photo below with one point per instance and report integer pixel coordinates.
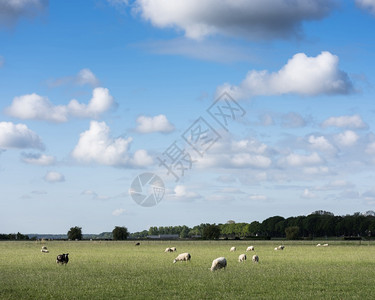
(44, 251)
(242, 258)
(232, 249)
(318, 245)
(250, 248)
(62, 258)
(218, 263)
(168, 250)
(182, 257)
(255, 258)
(138, 244)
(174, 249)
(281, 247)
(325, 245)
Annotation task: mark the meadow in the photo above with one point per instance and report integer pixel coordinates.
(121, 270)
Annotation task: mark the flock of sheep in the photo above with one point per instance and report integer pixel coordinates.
(220, 262)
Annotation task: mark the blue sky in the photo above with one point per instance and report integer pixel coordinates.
(94, 92)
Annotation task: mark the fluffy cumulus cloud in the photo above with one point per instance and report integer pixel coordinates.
(18, 136)
(256, 19)
(158, 123)
(347, 139)
(96, 145)
(100, 102)
(38, 159)
(299, 160)
(368, 5)
(12, 10)
(35, 107)
(302, 75)
(321, 143)
(352, 122)
(53, 176)
(237, 154)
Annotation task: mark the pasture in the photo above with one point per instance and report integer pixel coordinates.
(120, 270)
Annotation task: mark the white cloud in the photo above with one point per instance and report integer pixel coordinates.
(53, 177)
(347, 139)
(85, 76)
(301, 75)
(96, 145)
(181, 192)
(158, 123)
(38, 159)
(237, 154)
(366, 5)
(12, 10)
(18, 136)
(118, 212)
(259, 19)
(35, 107)
(100, 102)
(322, 144)
(353, 122)
(141, 159)
(298, 160)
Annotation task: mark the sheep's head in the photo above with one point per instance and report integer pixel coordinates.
(174, 261)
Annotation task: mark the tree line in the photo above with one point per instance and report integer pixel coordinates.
(317, 224)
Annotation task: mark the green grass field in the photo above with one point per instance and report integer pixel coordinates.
(119, 270)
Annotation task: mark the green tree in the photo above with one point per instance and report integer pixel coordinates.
(120, 233)
(292, 233)
(75, 233)
(211, 232)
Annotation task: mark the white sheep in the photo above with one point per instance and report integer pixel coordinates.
(281, 247)
(218, 263)
(44, 249)
(318, 245)
(250, 248)
(255, 258)
(325, 245)
(182, 257)
(173, 249)
(168, 250)
(242, 258)
(232, 249)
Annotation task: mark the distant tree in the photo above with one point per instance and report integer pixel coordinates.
(75, 233)
(292, 233)
(184, 233)
(120, 233)
(211, 232)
